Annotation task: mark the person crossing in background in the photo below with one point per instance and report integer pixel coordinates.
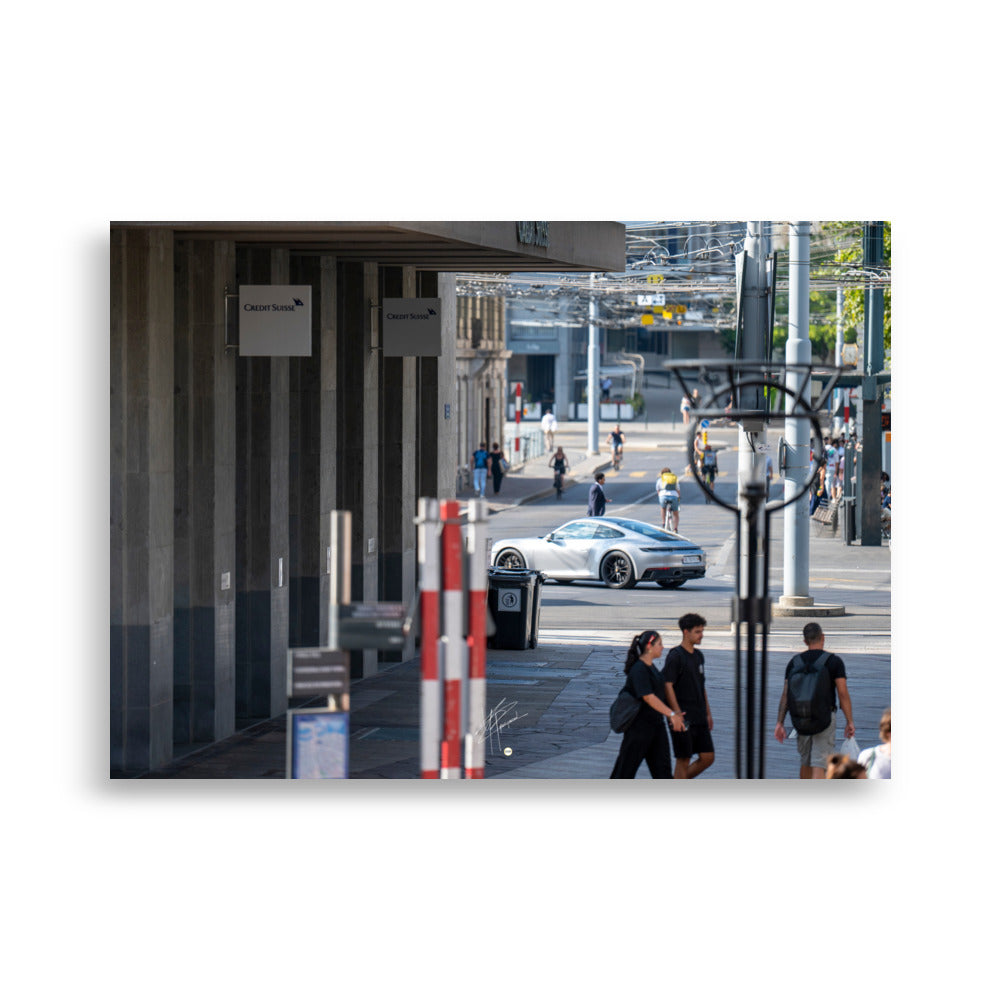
(597, 501)
(617, 441)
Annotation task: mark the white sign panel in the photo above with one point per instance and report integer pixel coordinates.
(276, 320)
(411, 327)
(652, 300)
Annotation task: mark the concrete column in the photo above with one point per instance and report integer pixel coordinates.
(368, 522)
(279, 511)
(397, 454)
(307, 563)
(408, 471)
(262, 516)
(352, 405)
(447, 429)
(564, 377)
(328, 455)
(142, 498)
(204, 496)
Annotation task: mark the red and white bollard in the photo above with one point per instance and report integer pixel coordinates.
(429, 554)
(452, 629)
(475, 758)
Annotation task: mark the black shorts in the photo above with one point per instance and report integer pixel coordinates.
(694, 740)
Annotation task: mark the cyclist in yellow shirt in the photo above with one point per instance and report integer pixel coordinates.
(669, 495)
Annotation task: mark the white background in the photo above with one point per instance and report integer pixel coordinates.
(555, 112)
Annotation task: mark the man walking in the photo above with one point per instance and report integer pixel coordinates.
(811, 678)
(479, 462)
(684, 679)
(597, 503)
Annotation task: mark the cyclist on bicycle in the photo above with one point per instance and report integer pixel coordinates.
(561, 466)
(668, 493)
(617, 441)
(709, 467)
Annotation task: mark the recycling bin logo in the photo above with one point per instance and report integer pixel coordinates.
(509, 600)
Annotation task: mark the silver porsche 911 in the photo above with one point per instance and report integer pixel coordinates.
(617, 551)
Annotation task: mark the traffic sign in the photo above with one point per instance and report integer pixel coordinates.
(705, 424)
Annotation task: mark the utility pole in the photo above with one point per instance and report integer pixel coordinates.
(838, 394)
(796, 452)
(869, 511)
(753, 347)
(593, 370)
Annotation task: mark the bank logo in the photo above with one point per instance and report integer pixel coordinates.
(426, 314)
(274, 306)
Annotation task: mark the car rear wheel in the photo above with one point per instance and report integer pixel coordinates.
(510, 559)
(616, 571)
(671, 584)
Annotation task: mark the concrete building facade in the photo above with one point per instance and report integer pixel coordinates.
(481, 368)
(225, 467)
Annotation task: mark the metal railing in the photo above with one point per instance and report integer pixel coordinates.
(532, 445)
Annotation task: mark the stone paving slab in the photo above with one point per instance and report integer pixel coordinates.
(561, 692)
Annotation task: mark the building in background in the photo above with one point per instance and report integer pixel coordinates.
(672, 300)
(225, 466)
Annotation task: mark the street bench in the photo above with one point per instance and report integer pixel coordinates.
(825, 516)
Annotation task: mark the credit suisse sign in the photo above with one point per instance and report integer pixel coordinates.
(276, 320)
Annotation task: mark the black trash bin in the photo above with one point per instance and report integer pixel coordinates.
(847, 513)
(513, 598)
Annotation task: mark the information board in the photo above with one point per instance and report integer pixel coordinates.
(318, 743)
(318, 671)
(375, 625)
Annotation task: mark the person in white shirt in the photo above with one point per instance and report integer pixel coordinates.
(878, 760)
(549, 428)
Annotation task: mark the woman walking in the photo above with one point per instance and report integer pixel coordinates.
(497, 461)
(646, 737)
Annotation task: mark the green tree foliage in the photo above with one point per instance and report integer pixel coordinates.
(833, 245)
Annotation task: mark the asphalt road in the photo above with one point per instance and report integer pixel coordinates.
(839, 574)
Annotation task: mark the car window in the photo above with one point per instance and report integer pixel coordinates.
(575, 529)
(646, 529)
(606, 531)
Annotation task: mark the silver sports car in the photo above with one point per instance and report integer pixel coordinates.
(617, 551)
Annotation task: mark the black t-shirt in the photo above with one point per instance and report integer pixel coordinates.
(834, 664)
(686, 671)
(642, 680)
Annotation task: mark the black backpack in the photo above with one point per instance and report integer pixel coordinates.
(810, 695)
